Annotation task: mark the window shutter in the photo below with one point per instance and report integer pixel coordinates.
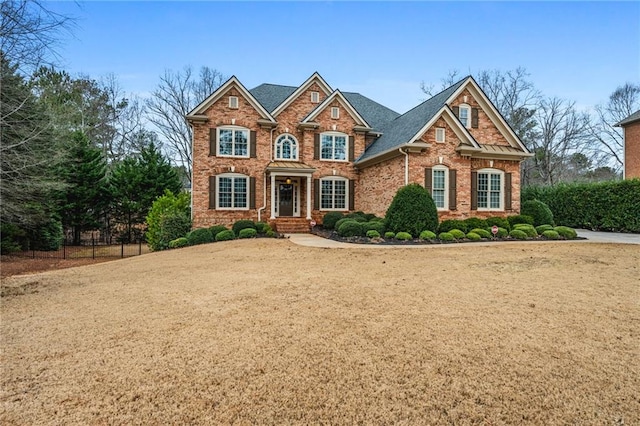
(352, 148)
(456, 111)
(212, 192)
(316, 194)
(453, 202)
(252, 144)
(474, 118)
(352, 194)
(252, 193)
(474, 190)
(428, 179)
(507, 191)
(316, 146)
(212, 141)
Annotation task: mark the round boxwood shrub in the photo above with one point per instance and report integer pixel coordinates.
(329, 220)
(216, 229)
(404, 236)
(502, 232)
(341, 221)
(450, 224)
(248, 233)
(527, 229)
(270, 233)
(389, 235)
(483, 233)
(550, 234)
(372, 233)
(500, 222)
(475, 223)
(446, 236)
(179, 242)
(260, 227)
(473, 236)
(375, 226)
(200, 236)
(242, 224)
(351, 228)
(427, 235)
(519, 218)
(566, 232)
(518, 234)
(539, 211)
(457, 234)
(412, 210)
(225, 235)
(541, 228)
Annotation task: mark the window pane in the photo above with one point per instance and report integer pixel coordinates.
(340, 148)
(482, 199)
(294, 151)
(240, 192)
(224, 192)
(495, 182)
(340, 198)
(326, 194)
(464, 116)
(226, 142)
(495, 200)
(241, 142)
(286, 150)
(483, 181)
(326, 147)
(438, 198)
(438, 179)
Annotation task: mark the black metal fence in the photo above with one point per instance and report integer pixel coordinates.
(87, 249)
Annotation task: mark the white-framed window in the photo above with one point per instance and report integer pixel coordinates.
(233, 102)
(334, 193)
(490, 189)
(315, 97)
(440, 134)
(286, 147)
(232, 191)
(333, 146)
(233, 141)
(335, 112)
(465, 115)
(440, 186)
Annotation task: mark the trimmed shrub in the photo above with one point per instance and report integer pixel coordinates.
(374, 225)
(178, 242)
(483, 233)
(242, 224)
(216, 229)
(518, 234)
(200, 236)
(226, 235)
(372, 233)
(566, 232)
(475, 223)
(389, 235)
(550, 234)
(540, 229)
(527, 229)
(270, 233)
(539, 211)
(329, 220)
(445, 236)
(450, 224)
(341, 221)
(404, 236)
(168, 219)
(500, 222)
(457, 234)
(516, 219)
(412, 210)
(473, 236)
(427, 235)
(261, 227)
(248, 233)
(351, 228)
(502, 232)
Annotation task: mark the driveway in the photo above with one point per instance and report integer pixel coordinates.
(609, 237)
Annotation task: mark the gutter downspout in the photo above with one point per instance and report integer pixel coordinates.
(406, 166)
(264, 187)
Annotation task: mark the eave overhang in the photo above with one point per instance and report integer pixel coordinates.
(408, 147)
(197, 118)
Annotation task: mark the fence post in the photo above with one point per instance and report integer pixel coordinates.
(139, 246)
(64, 248)
(122, 249)
(93, 246)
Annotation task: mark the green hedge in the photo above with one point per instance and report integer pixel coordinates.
(601, 206)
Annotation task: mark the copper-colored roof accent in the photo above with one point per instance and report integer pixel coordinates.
(289, 166)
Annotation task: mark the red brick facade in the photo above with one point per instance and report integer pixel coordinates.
(632, 150)
(371, 187)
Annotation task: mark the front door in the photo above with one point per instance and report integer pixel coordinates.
(285, 196)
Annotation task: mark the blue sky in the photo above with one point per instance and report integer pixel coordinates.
(579, 51)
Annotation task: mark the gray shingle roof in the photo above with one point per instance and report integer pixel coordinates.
(375, 114)
(271, 95)
(403, 128)
(630, 119)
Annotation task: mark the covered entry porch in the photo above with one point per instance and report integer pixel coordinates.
(290, 190)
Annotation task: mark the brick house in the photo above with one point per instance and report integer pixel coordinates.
(631, 128)
(289, 155)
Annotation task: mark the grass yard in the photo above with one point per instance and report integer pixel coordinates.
(266, 332)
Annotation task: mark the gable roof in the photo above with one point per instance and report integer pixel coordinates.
(405, 127)
(375, 114)
(315, 77)
(340, 97)
(630, 119)
(272, 95)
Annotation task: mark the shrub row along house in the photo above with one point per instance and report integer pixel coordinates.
(288, 155)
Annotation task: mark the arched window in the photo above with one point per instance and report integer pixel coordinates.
(286, 148)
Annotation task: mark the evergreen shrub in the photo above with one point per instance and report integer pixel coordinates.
(445, 236)
(457, 234)
(226, 235)
(404, 236)
(539, 211)
(242, 224)
(200, 236)
(473, 236)
(518, 234)
(412, 210)
(178, 242)
(427, 235)
(329, 220)
(351, 228)
(448, 225)
(247, 233)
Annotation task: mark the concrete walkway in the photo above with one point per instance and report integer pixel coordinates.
(310, 240)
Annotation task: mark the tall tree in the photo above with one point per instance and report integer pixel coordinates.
(176, 95)
(84, 202)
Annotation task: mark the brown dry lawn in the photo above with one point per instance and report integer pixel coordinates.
(266, 332)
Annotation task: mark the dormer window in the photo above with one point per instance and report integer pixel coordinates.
(465, 115)
(233, 102)
(315, 97)
(335, 112)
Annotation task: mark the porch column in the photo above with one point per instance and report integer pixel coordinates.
(309, 197)
(273, 195)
